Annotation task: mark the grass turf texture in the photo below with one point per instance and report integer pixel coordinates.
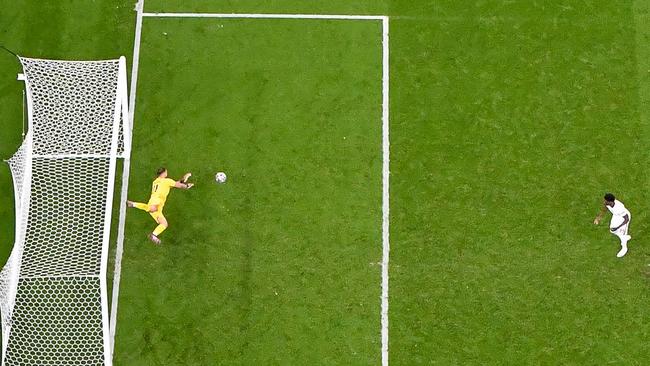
(502, 117)
(529, 115)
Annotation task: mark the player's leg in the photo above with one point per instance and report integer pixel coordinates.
(138, 205)
(162, 225)
(624, 237)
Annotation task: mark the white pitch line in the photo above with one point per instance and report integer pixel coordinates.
(265, 16)
(125, 177)
(385, 195)
(385, 128)
(136, 59)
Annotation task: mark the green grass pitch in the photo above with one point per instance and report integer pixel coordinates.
(509, 120)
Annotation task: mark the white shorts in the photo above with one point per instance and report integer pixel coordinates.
(623, 229)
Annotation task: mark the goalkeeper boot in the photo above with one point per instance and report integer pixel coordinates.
(154, 239)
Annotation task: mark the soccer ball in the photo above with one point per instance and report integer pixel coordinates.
(220, 177)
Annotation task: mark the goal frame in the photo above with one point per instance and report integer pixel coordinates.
(120, 128)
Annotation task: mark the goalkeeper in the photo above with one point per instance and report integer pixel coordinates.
(159, 192)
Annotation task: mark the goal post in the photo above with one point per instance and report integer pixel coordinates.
(53, 290)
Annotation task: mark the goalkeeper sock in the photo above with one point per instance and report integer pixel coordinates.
(159, 229)
(141, 206)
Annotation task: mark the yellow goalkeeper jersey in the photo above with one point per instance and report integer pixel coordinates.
(160, 189)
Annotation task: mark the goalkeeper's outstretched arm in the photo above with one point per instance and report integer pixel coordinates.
(183, 182)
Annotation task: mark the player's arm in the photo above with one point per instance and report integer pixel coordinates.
(183, 182)
(600, 215)
(182, 185)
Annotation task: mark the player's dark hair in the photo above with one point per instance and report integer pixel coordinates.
(609, 197)
(160, 171)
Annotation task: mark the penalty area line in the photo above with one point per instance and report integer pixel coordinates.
(385, 192)
(266, 16)
(385, 131)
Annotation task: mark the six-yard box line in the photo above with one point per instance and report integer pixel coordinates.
(385, 138)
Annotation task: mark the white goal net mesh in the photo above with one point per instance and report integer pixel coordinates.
(53, 294)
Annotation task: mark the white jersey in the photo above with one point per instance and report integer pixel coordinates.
(618, 213)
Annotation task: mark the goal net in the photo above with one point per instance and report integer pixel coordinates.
(53, 289)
